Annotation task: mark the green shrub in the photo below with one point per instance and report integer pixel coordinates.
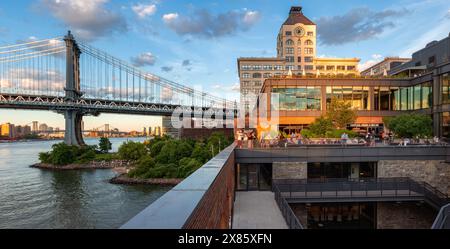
(144, 164)
(132, 151)
(106, 157)
(44, 157)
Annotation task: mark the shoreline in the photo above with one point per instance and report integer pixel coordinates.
(123, 179)
(114, 164)
(117, 166)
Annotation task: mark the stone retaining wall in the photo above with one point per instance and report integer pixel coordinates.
(434, 172)
(289, 170)
(406, 215)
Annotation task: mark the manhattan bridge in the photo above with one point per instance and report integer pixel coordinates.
(75, 79)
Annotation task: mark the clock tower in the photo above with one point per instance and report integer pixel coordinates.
(296, 42)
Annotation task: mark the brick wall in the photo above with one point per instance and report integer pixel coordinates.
(215, 209)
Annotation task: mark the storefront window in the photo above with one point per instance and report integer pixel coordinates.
(427, 96)
(417, 97)
(445, 88)
(299, 99)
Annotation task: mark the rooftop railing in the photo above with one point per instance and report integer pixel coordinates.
(442, 220)
(362, 189)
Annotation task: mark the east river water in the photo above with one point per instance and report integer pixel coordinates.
(34, 198)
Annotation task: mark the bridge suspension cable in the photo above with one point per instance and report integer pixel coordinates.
(114, 78)
(33, 68)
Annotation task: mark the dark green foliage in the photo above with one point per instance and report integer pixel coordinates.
(170, 158)
(321, 126)
(132, 151)
(410, 125)
(106, 157)
(105, 145)
(187, 166)
(63, 154)
(144, 164)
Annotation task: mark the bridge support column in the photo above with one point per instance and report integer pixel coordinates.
(74, 133)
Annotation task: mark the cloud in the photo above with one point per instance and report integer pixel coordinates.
(203, 24)
(448, 14)
(186, 63)
(166, 69)
(227, 88)
(358, 24)
(34, 80)
(144, 59)
(142, 10)
(88, 19)
(374, 60)
(43, 46)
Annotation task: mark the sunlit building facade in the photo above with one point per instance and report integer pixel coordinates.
(296, 55)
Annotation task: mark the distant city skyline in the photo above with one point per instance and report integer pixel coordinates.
(18, 117)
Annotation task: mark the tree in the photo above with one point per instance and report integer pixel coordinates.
(321, 126)
(410, 125)
(132, 151)
(104, 145)
(340, 112)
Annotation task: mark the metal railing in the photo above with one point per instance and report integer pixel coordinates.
(375, 189)
(442, 220)
(289, 216)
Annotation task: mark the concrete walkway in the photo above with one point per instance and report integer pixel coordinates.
(257, 210)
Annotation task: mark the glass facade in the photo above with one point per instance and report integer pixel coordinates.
(357, 95)
(445, 82)
(385, 98)
(300, 98)
(411, 98)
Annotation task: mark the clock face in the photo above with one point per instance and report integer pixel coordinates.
(299, 31)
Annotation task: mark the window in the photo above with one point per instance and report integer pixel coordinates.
(309, 67)
(308, 43)
(245, 83)
(257, 84)
(299, 98)
(278, 67)
(309, 51)
(320, 67)
(289, 50)
(299, 59)
(267, 75)
(340, 67)
(351, 68)
(299, 67)
(299, 50)
(245, 75)
(290, 59)
(245, 67)
(257, 67)
(310, 33)
(330, 68)
(432, 60)
(289, 42)
(445, 82)
(356, 95)
(267, 67)
(288, 33)
(290, 67)
(308, 59)
(257, 75)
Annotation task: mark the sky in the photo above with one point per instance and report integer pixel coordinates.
(197, 42)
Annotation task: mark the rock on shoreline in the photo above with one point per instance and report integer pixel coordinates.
(91, 165)
(124, 179)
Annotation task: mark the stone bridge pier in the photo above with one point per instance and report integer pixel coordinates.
(74, 133)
